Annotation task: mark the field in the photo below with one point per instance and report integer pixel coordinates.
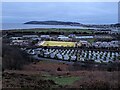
(59, 43)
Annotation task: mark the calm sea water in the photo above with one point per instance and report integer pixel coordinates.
(9, 26)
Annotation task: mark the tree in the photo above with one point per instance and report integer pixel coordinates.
(13, 58)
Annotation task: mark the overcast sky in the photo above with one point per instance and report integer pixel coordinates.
(87, 12)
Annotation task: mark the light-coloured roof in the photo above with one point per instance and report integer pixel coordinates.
(84, 37)
(30, 36)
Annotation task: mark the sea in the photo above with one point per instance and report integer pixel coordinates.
(17, 26)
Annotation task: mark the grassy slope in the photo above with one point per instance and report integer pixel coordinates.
(45, 70)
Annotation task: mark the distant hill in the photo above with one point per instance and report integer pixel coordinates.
(70, 24)
(118, 24)
(53, 23)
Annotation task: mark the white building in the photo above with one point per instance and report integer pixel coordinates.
(71, 35)
(106, 44)
(30, 36)
(84, 37)
(66, 57)
(15, 38)
(45, 36)
(64, 38)
(73, 58)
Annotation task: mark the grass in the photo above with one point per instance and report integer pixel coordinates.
(59, 43)
(63, 80)
(54, 30)
(91, 40)
(60, 80)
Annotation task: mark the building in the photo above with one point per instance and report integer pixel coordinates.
(15, 38)
(106, 44)
(84, 43)
(84, 37)
(30, 36)
(45, 36)
(19, 42)
(63, 38)
(71, 35)
(103, 37)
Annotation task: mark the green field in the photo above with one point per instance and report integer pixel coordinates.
(60, 80)
(59, 43)
(63, 80)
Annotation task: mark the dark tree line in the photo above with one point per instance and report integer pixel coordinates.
(46, 33)
(13, 58)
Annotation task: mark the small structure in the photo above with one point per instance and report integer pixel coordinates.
(71, 35)
(19, 42)
(73, 58)
(83, 43)
(63, 38)
(66, 57)
(106, 44)
(36, 38)
(30, 36)
(52, 55)
(84, 37)
(115, 42)
(103, 37)
(102, 31)
(59, 56)
(31, 52)
(16, 38)
(45, 36)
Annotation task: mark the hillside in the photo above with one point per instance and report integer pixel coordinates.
(52, 23)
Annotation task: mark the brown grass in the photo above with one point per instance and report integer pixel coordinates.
(88, 79)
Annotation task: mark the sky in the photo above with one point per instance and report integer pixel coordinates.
(60, 0)
(82, 12)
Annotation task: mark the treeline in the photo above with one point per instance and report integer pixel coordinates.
(13, 58)
(47, 33)
(55, 33)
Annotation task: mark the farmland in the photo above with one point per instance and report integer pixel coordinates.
(58, 43)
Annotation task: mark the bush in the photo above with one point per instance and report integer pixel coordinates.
(59, 69)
